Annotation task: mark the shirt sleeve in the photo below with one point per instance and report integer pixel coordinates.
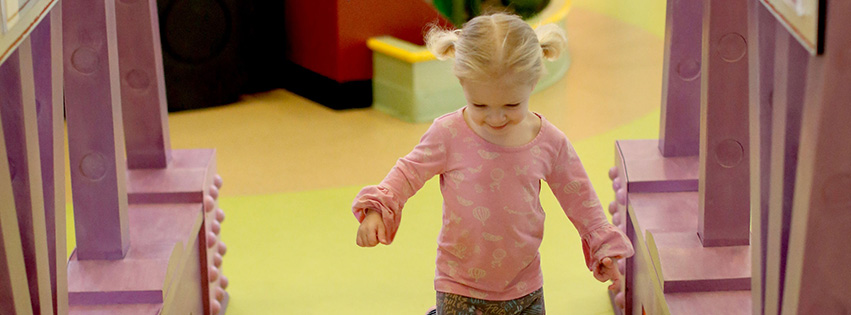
(409, 174)
(572, 187)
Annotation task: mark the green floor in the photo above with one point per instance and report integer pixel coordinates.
(295, 253)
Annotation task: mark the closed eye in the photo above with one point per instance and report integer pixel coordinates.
(512, 105)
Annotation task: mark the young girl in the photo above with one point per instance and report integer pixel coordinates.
(491, 156)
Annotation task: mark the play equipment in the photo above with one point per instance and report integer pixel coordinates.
(409, 83)
(326, 39)
(343, 58)
(146, 217)
(753, 127)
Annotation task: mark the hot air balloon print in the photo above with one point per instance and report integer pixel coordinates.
(481, 214)
(457, 177)
(498, 255)
(476, 273)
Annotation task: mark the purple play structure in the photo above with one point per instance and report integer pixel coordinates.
(146, 216)
(754, 127)
(742, 206)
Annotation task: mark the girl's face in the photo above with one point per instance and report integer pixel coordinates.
(496, 107)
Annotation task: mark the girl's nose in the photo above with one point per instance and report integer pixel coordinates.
(496, 116)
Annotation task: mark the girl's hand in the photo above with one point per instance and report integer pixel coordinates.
(608, 270)
(371, 230)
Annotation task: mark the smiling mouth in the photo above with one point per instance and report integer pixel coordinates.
(498, 127)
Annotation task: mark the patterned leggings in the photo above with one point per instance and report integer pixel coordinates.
(453, 304)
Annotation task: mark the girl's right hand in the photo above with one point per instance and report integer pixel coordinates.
(371, 230)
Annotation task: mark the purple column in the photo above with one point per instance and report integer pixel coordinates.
(95, 129)
(761, 25)
(790, 72)
(142, 84)
(14, 290)
(817, 269)
(679, 130)
(724, 185)
(47, 64)
(21, 135)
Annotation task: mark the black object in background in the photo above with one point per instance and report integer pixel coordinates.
(216, 50)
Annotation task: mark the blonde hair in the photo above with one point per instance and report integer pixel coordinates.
(490, 46)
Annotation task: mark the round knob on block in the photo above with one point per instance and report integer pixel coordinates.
(224, 282)
(216, 227)
(209, 203)
(211, 239)
(613, 172)
(212, 273)
(621, 196)
(616, 219)
(222, 248)
(220, 215)
(220, 293)
(218, 181)
(217, 260)
(214, 191)
(215, 306)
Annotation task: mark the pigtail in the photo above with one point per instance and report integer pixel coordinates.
(552, 40)
(441, 41)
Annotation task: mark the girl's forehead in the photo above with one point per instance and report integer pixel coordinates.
(505, 80)
(496, 93)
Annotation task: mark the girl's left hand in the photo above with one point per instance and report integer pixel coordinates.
(608, 270)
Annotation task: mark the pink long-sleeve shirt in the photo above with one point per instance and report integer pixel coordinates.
(493, 222)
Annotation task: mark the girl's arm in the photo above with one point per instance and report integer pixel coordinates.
(572, 187)
(409, 174)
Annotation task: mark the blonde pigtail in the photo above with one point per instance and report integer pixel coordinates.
(552, 40)
(441, 42)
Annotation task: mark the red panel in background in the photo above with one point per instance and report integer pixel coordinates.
(360, 20)
(311, 35)
(329, 36)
